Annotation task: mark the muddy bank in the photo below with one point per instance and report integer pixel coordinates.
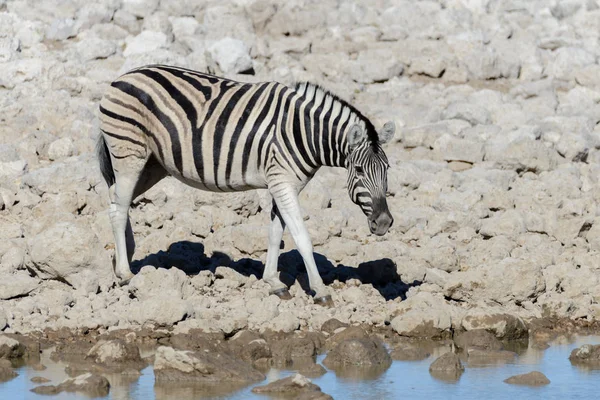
(201, 363)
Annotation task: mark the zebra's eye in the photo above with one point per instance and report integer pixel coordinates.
(359, 170)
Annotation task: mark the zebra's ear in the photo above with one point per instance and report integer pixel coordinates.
(355, 136)
(387, 132)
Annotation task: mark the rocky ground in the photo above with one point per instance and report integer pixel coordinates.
(493, 180)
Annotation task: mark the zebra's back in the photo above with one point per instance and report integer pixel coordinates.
(210, 132)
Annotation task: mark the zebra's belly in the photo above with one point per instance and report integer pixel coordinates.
(233, 185)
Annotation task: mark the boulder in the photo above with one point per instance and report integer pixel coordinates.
(533, 378)
(202, 367)
(351, 332)
(358, 352)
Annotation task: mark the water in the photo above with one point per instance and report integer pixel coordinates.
(404, 379)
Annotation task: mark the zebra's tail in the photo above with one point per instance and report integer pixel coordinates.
(104, 159)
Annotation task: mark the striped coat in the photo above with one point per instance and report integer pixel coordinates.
(220, 135)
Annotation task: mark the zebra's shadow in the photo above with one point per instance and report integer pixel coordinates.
(190, 257)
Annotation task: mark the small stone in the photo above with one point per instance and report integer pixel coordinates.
(39, 379)
(292, 385)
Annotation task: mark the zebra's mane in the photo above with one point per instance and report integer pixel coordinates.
(303, 88)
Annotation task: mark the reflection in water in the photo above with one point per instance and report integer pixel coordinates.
(190, 391)
(403, 379)
(364, 373)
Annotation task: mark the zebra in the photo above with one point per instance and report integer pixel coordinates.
(221, 135)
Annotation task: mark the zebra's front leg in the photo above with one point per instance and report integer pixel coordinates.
(286, 198)
(276, 229)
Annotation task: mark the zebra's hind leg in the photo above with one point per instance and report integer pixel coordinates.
(286, 198)
(276, 229)
(127, 174)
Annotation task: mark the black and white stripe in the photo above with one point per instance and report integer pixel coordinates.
(220, 135)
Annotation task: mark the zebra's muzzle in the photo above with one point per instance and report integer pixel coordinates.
(381, 223)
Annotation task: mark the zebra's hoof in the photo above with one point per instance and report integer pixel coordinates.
(282, 293)
(324, 301)
(123, 282)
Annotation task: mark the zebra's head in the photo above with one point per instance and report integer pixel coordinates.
(367, 174)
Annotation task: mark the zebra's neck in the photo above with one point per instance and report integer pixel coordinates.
(324, 120)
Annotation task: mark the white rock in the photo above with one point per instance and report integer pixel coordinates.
(472, 113)
(231, 55)
(20, 71)
(18, 284)
(504, 326)
(161, 310)
(140, 8)
(92, 14)
(61, 148)
(153, 282)
(3, 319)
(61, 29)
(509, 223)
(158, 22)
(375, 66)
(56, 253)
(8, 48)
(13, 169)
(145, 42)
(184, 26)
(455, 149)
(420, 323)
(94, 48)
